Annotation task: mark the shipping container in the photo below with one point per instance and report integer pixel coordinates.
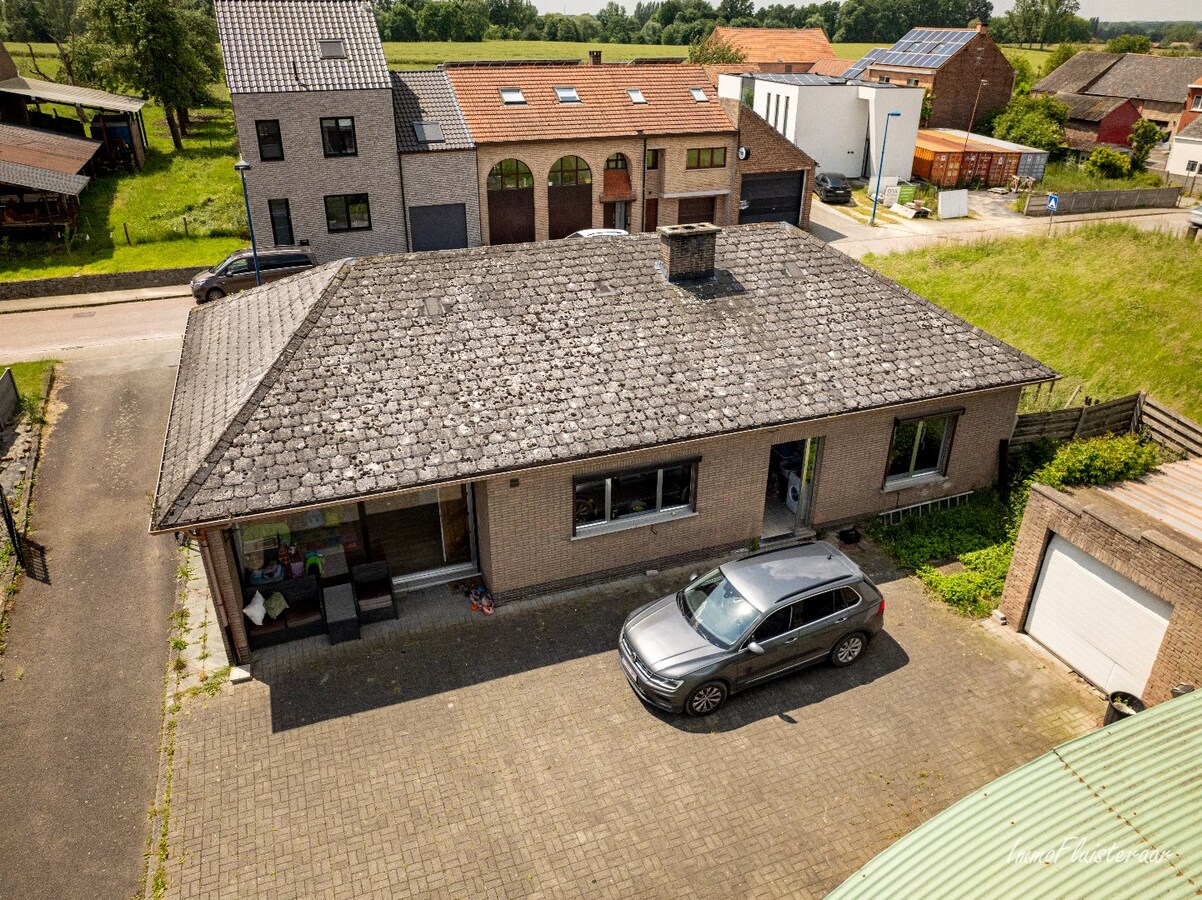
(946, 157)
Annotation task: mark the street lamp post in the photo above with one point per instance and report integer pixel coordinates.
(880, 170)
(972, 118)
(242, 167)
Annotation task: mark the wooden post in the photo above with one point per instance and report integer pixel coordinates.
(125, 225)
(185, 226)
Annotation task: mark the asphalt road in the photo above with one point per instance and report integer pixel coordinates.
(150, 327)
(80, 704)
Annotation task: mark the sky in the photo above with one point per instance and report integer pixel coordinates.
(1107, 10)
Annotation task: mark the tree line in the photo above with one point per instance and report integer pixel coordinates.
(677, 22)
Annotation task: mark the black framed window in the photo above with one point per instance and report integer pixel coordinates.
(706, 158)
(347, 212)
(653, 158)
(569, 170)
(920, 447)
(281, 222)
(271, 144)
(510, 175)
(628, 496)
(338, 136)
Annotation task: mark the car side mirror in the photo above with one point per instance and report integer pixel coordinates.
(755, 648)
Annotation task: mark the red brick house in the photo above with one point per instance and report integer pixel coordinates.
(967, 75)
(551, 413)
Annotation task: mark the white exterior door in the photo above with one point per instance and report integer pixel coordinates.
(1102, 624)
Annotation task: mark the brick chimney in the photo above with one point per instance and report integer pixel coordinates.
(594, 57)
(687, 251)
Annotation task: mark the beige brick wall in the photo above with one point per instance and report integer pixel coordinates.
(1146, 556)
(528, 528)
(304, 176)
(673, 177)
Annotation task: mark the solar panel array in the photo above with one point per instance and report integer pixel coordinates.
(925, 48)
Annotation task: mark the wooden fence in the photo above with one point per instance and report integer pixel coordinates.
(1171, 429)
(1102, 201)
(1112, 417)
(1135, 413)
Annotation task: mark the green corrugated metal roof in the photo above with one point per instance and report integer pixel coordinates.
(1132, 788)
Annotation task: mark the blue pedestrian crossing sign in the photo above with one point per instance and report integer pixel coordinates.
(1053, 202)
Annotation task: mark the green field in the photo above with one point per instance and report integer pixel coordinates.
(1113, 309)
(198, 183)
(1037, 58)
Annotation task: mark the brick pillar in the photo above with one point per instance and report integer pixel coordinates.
(687, 251)
(220, 568)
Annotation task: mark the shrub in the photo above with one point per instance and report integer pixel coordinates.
(1107, 163)
(981, 533)
(1129, 43)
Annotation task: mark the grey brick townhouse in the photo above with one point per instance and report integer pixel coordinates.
(549, 413)
(313, 108)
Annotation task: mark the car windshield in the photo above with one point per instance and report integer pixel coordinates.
(837, 180)
(718, 610)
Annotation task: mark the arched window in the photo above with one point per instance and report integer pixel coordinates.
(569, 170)
(510, 174)
(617, 161)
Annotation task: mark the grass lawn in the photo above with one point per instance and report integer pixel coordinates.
(428, 54)
(1066, 177)
(29, 378)
(1036, 57)
(1112, 308)
(198, 182)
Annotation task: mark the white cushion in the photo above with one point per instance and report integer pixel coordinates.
(256, 609)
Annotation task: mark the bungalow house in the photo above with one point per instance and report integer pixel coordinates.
(779, 49)
(1156, 85)
(967, 76)
(546, 414)
(618, 146)
(1184, 164)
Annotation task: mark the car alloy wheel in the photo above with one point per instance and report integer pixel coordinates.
(214, 294)
(848, 650)
(706, 699)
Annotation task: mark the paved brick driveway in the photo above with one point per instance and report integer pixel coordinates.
(511, 760)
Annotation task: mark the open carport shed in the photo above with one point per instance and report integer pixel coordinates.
(41, 176)
(1110, 580)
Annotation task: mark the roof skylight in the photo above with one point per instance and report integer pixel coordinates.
(512, 96)
(636, 96)
(567, 95)
(428, 132)
(332, 48)
(699, 95)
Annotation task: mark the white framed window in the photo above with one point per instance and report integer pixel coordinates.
(883, 79)
(1196, 106)
(636, 96)
(699, 95)
(512, 96)
(919, 448)
(604, 503)
(567, 95)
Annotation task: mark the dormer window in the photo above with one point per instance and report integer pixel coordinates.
(636, 96)
(567, 95)
(699, 95)
(512, 96)
(428, 132)
(333, 48)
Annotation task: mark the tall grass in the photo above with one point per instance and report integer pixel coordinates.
(1113, 308)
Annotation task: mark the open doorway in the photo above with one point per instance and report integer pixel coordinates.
(789, 493)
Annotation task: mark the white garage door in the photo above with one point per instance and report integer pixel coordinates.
(1105, 626)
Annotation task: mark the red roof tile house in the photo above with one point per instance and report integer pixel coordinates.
(564, 148)
(778, 49)
(546, 414)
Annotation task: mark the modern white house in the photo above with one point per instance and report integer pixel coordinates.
(840, 122)
(1185, 155)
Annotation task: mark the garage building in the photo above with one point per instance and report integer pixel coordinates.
(1110, 580)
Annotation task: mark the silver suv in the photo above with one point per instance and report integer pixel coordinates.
(746, 622)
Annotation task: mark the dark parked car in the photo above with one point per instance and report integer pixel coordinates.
(746, 622)
(831, 187)
(237, 271)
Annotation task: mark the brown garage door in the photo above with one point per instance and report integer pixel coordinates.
(695, 209)
(511, 216)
